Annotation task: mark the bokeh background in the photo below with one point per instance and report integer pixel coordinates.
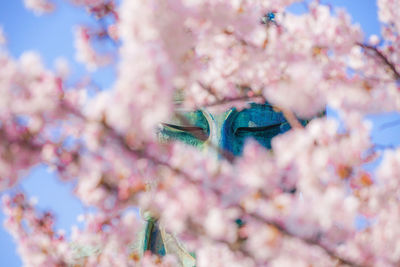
(52, 37)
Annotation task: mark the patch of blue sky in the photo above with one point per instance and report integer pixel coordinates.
(363, 12)
(52, 36)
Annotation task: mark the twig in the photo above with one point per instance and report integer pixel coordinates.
(289, 115)
(292, 119)
(385, 60)
(235, 99)
(209, 89)
(308, 241)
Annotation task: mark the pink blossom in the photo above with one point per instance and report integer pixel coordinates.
(85, 53)
(39, 7)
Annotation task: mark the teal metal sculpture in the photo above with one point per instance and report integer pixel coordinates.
(223, 134)
(226, 131)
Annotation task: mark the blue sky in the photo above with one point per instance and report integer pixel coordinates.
(52, 37)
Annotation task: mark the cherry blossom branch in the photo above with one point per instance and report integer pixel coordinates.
(308, 241)
(283, 230)
(209, 89)
(241, 40)
(292, 119)
(224, 101)
(143, 154)
(289, 115)
(25, 142)
(385, 60)
(199, 230)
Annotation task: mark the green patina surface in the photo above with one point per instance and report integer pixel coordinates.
(153, 240)
(185, 131)
(228, 130)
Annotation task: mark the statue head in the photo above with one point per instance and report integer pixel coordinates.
(225, 132)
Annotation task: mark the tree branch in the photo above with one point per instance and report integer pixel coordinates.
(292, 119)
(143, 154)
(381, 56)
(308, 241)
(235, 99)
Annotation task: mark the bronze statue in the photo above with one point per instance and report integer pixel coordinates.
(223, 134)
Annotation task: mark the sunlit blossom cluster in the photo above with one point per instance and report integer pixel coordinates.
(85, 52)
(40, 7)
(294, 205)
